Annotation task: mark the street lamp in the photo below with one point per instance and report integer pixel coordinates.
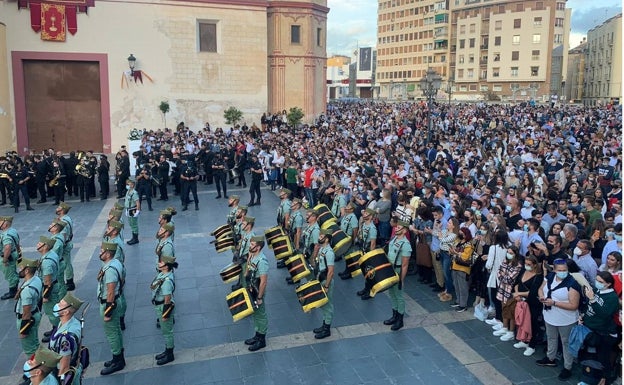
(430, 84)
(449, 87)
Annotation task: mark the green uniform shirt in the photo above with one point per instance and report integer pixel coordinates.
(50, 266)
(11, 237)
(163, 285)
(59, 244)
(231, 217)
(68, 230)
(398, 248)
(367, 233)
(339, 203)
(165, 248)
(111, 272)
(325, 257)
(349, 223)
(130, 202)
(244, 243)
(66, 339)
(29, 294)
(311, 236)
(282, 210)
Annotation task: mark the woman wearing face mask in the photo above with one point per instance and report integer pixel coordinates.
(526, 290)
(560, 295)
(460, 268)
(66, 340)
(507, 274)
(603, 305)
(614, 266)
(162, 288)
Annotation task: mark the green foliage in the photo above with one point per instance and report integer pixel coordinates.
(294, 116)
(164, 108)
(232, 115)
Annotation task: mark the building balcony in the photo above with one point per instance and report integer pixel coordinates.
(484, 46)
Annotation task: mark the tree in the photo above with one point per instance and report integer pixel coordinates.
(232, 115)
(164, 108)
(294, 116)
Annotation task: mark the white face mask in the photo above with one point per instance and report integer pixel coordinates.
(577, 251)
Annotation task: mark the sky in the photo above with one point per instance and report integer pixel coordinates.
(353, 23)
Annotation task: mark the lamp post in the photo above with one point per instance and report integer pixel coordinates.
(131, 63)
(430, 84)
(449, 87)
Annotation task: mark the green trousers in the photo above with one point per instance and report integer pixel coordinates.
(112, 330)
(166, 327)
(30, 343)
(53, 299)
(69, 268)
(10, 273)
(134, 224)
(261, 321)
(62, 288)
(123, 305)
(328, 308)
(396, 299)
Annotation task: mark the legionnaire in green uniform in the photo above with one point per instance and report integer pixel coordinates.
(367, 238)
(295, 223)
(233, 202)
(28, 306)
(399, 252)
(67, 339)
(166, 216)
(349, 224)
(40, 369)
(49, 272)
(56, 228)
(283, 216)
(237, 229)
(165, 247)
(10, 253)
(162, 288)
(309, 242)
(339, 203)
(113, 235)
(110, 285)
(324, 269)
(68, 233)
(240, 255)
(256, 276)
(132, 205)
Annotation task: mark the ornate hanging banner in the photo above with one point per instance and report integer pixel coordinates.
(52, 22)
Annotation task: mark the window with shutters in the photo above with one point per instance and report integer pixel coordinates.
(207, 31)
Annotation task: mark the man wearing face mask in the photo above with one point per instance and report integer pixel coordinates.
(243, 247)
(162, 288)
(9, 239)
(583, 258)
(49, 273)
(28, 306)
(323, 265)
(399, 252)
(529, 236)
(40, 369)
(132, 205)
(613, 245)
(67, 338)
(256, 276)
(68, 233)
(110, 286)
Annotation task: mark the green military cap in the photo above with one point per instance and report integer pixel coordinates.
(165, 213)
(296, 201)
(257, 239)
(25, 262)
(403, 223)
(59, 222)
(130, 180)
(118, 206)
(171, 210)
(46, 357)
(234, 198)
(326, 231)
(115, 213)
(72, 301)
(64, 206)
(350, 207)
(169, 227)
(116, 224)
(108, 246)
(370, 211)
(313, 212)
(249, 219)
(243, 208)
(47, 241)
(285, 191)
(6, 218)
(167, 260)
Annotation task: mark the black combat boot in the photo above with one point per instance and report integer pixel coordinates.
(398, 324)
(252, 340)
(10, 294)
(118, 363)
(259, 343)
(134, 240)
(326, 332)
(109, 363)
(319, 329)
(167, 358)
(391, 320)
(71, 286)
(161, 355)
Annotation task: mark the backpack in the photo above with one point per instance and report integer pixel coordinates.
(569, 282)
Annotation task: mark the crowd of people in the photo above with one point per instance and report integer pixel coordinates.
(508, 204)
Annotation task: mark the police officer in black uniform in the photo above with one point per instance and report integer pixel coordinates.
(42, 171)
(256, 177)
(144, 185)
(188, 180)
(5, 184)
(163, 177)
(218, 172)
(20, 177)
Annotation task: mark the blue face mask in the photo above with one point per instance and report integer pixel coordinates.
(28, 369)
(508, 209)
(127, 187)
(56, 309)
(525, 227)
(599, 285)
(618, 238)
(562, 274)
(610, 234)
(526, 204)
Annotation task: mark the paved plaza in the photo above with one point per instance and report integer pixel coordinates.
(436, 346)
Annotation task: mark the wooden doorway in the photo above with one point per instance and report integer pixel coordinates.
(63, 105)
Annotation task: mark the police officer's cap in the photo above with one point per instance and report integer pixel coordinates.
(249, 219)
(46, 357)
(25, 262)
(109, 246)
(167, 260)
(116, 224)
(72, 301)
(64, 206)
(47, 241)
(170, 227)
